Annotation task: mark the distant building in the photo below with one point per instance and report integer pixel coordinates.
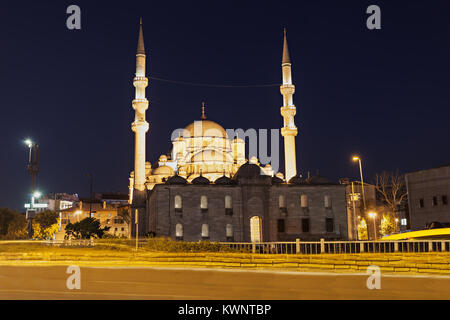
(355, 205)
(105, 207)
(428, 197)
(58, 201)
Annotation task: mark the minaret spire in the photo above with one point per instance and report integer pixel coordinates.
(286, 58)
(288, 111)
(141, 48)
(203, 117)
(140, 126)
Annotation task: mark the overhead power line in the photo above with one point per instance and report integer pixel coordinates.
(215, 85)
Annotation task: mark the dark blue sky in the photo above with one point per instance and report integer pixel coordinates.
(383, 94)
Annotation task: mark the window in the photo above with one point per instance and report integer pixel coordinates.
(179, 231)
(204, 203)
(178, 204)
(305, 225)
(122, 229)
(228, 205)
(281, 201)
(444, 200)
(421, 203)
(205, 231)
(282, 204)
(329, 225)
(327, 201)
(403, 222)
(434, 202)
(230, 232)
(280, 225)
(304, 201)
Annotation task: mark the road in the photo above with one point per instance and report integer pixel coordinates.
(49, 282)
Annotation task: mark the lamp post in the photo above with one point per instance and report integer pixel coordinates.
(373, 215)
(357, 158)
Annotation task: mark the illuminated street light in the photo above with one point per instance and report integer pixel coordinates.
(373, 215)
(29, 143)
(37, 195)
(357, 158)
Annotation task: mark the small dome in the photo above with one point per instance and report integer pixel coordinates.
(319, 180)
(206, 128)
(200, 180)
(276, 180)
(248, 170)
(163, 171)
(223, 180)
(280, 175)
(297, 180)
(176, 179)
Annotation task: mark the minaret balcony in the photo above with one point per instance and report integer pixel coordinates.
(289, 131)
(140, 126)
(286, 89)
(140, 82)
(140, 105)
(288, 111)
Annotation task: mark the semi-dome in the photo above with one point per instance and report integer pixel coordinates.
(163, 171)
(176, 179)
(248, 170)
(206, 128)
(209, 155)
(223, 180)
(200, 180)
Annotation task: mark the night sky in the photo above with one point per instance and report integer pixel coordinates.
(383, 94)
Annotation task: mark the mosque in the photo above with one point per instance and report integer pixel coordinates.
(206, 189)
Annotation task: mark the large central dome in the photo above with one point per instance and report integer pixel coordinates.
(206, 128)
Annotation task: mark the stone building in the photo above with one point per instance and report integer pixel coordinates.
(428, 197)
(205, 188)
(250, 207)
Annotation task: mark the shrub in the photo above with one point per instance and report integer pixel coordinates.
(170, 245)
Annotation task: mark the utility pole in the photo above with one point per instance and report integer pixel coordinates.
(91, 183)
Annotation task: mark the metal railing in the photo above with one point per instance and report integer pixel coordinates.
(289, 247)
(337, 247)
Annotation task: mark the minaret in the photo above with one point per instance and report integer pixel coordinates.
(140, 126)
(288, 111)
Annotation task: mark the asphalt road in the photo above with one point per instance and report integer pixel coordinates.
(35, 282)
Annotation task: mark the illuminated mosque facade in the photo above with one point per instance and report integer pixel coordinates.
(207, 189)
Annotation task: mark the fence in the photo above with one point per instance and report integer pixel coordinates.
(317, 247)
(295, 247)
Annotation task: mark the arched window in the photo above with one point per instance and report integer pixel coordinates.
(228, 202)
(304, 201)
(327, 201)
(205, 231)
(178, 203)
(230, 232)
(204, 202)
(179, 231)
(281, 201)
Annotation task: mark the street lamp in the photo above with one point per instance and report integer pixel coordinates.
(373, 215)
(357, 158)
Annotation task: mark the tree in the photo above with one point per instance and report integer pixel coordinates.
(13, 225)
(362, 229)
(85, 229)
(391, 187)
(45, 224)
(17, 228)
(388, 225)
